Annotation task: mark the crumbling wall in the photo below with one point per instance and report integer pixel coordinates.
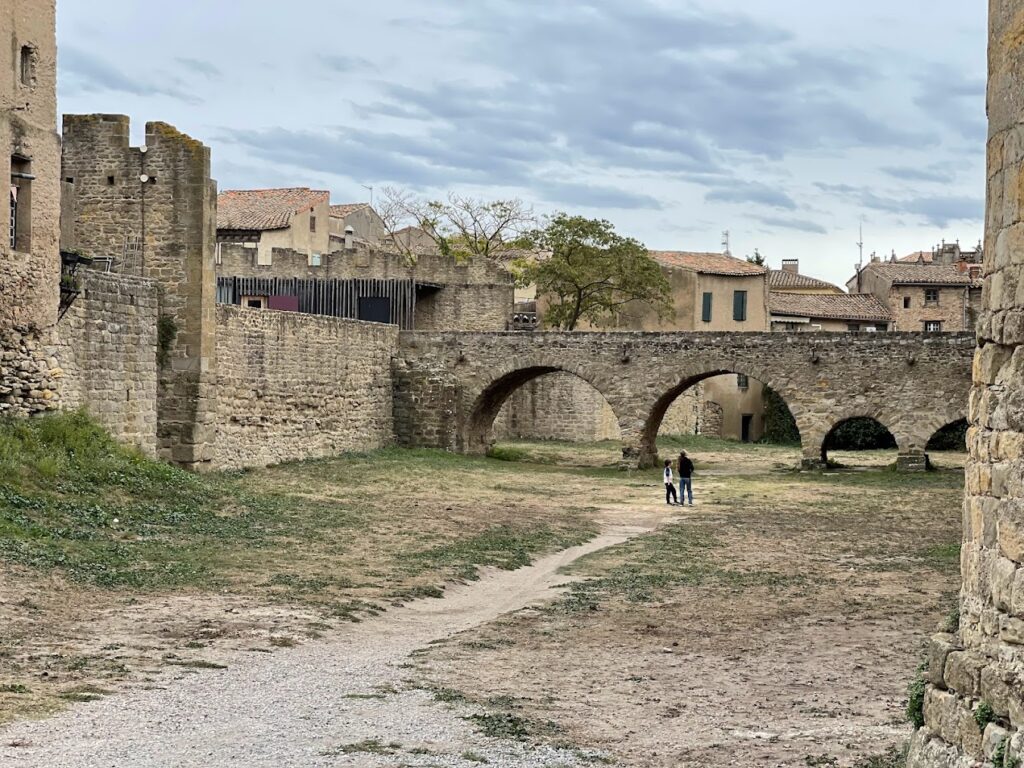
(292, 386)
(984, 661)
(153, 210)
(108, 353)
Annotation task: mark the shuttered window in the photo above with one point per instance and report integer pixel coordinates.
(739, 306)
(705, 312)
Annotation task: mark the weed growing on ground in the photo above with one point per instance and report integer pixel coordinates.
(367, 746)
(915, 702)
(896, 757)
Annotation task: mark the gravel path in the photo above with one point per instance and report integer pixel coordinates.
(306, 706)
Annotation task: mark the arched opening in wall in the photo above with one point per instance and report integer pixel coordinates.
(860, 441)
(720, 415)
(550, 416)
(948, 445)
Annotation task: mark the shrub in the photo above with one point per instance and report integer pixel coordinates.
(779, 425)
(860, 434)
(915, 703)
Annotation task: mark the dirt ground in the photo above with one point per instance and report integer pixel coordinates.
(776, 623)
(791, 642)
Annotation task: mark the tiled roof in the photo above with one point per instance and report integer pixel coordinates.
(707, 263)
(262, 209)
(833, 306)
(781, 279)
(347, 209)
(920, 274)
(916, 256)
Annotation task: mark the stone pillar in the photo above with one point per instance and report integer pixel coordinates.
(983, 661)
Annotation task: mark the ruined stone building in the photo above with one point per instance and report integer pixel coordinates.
(931, 298)
(265, 219)
(30, 216)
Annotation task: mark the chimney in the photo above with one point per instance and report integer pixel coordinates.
(350, 235)
(791, 265)
(874, 258)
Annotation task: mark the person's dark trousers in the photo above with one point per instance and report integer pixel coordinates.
(686, 483)
(670, 493)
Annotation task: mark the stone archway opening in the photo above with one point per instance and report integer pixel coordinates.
(717, 405)
(541, 403)
(859, 442)
(948, 444)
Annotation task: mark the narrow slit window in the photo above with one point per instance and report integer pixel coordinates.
(28, 65)
(20, 234)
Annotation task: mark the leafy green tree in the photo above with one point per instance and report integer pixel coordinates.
(586, 271)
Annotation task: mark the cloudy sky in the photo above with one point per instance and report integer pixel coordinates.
(787, 123)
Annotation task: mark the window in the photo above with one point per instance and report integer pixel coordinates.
(931, 297)
(906, 302)
(254, 302)
(853, 327)
(312, 223)
(933, 326)
(739, 306)
(28, 65)
(705, 310)
(742, 382)
(20, 227)
(315, 260)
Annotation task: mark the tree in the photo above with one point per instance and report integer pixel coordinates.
(757, 258)
(460, 227)
(588, 272)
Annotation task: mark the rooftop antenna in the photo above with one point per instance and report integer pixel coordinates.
(725, 243)
(860, 247)
(371, 193)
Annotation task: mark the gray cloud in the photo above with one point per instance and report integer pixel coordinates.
(955, 100)
(735, 191)
(933, 173)
(938, 210)
(594, 195)
(82, 72)
(344, 64)
(801, 225)
(200, 66)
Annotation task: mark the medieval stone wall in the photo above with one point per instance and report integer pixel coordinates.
(292, 386)
(30, 373)
(984, 661)
(153, 209)
(108, 354)
(449, 387)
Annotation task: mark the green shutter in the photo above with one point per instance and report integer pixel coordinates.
(739, 306)
(705, 313)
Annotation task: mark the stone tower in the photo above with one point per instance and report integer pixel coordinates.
(983, 664)
(30, 214)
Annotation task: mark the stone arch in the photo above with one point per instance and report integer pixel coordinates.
(874, 415)
(477, 435)
(640, 445)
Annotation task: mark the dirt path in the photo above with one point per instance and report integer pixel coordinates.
(328, 703)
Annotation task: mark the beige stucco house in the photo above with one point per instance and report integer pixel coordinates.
(358, 220)
(264, 219)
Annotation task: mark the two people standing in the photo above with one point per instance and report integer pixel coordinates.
(685, 480)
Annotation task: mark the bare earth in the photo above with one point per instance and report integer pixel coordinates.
(790, 642)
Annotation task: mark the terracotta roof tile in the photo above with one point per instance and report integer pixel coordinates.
(781, 279)
(707, 263)
(262, 209)
(345, 210)
(920, 274)
(832, 306)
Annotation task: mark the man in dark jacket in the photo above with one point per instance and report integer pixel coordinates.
(685, 477)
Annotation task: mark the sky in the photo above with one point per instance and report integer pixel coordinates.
(790, 124)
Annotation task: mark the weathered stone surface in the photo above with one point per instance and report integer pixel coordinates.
(451, 386)
(939, 649)
(963, 672)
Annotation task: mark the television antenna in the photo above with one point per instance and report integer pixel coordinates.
(860, 247)
(725, 243)
(371, 193)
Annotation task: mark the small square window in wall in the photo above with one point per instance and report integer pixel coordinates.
(933, 326)
(853, 327)
(315, 260)
(906, 302)
(931, 296)
(742, 381)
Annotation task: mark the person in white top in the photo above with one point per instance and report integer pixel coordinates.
(670, 486)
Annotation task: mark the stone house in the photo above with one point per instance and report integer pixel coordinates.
(30, 161)
(265, 219)
(357, 220)
(837, 312)
(934, 298)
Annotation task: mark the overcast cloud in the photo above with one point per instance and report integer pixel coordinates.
(787, 125)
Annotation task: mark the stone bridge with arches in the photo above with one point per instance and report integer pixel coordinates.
(449, 387)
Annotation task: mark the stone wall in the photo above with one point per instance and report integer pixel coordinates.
(156, 204)
(471, 295)
(108, 353)
(29, 147)
(450, 387)
(292, 386)
(984, 661)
